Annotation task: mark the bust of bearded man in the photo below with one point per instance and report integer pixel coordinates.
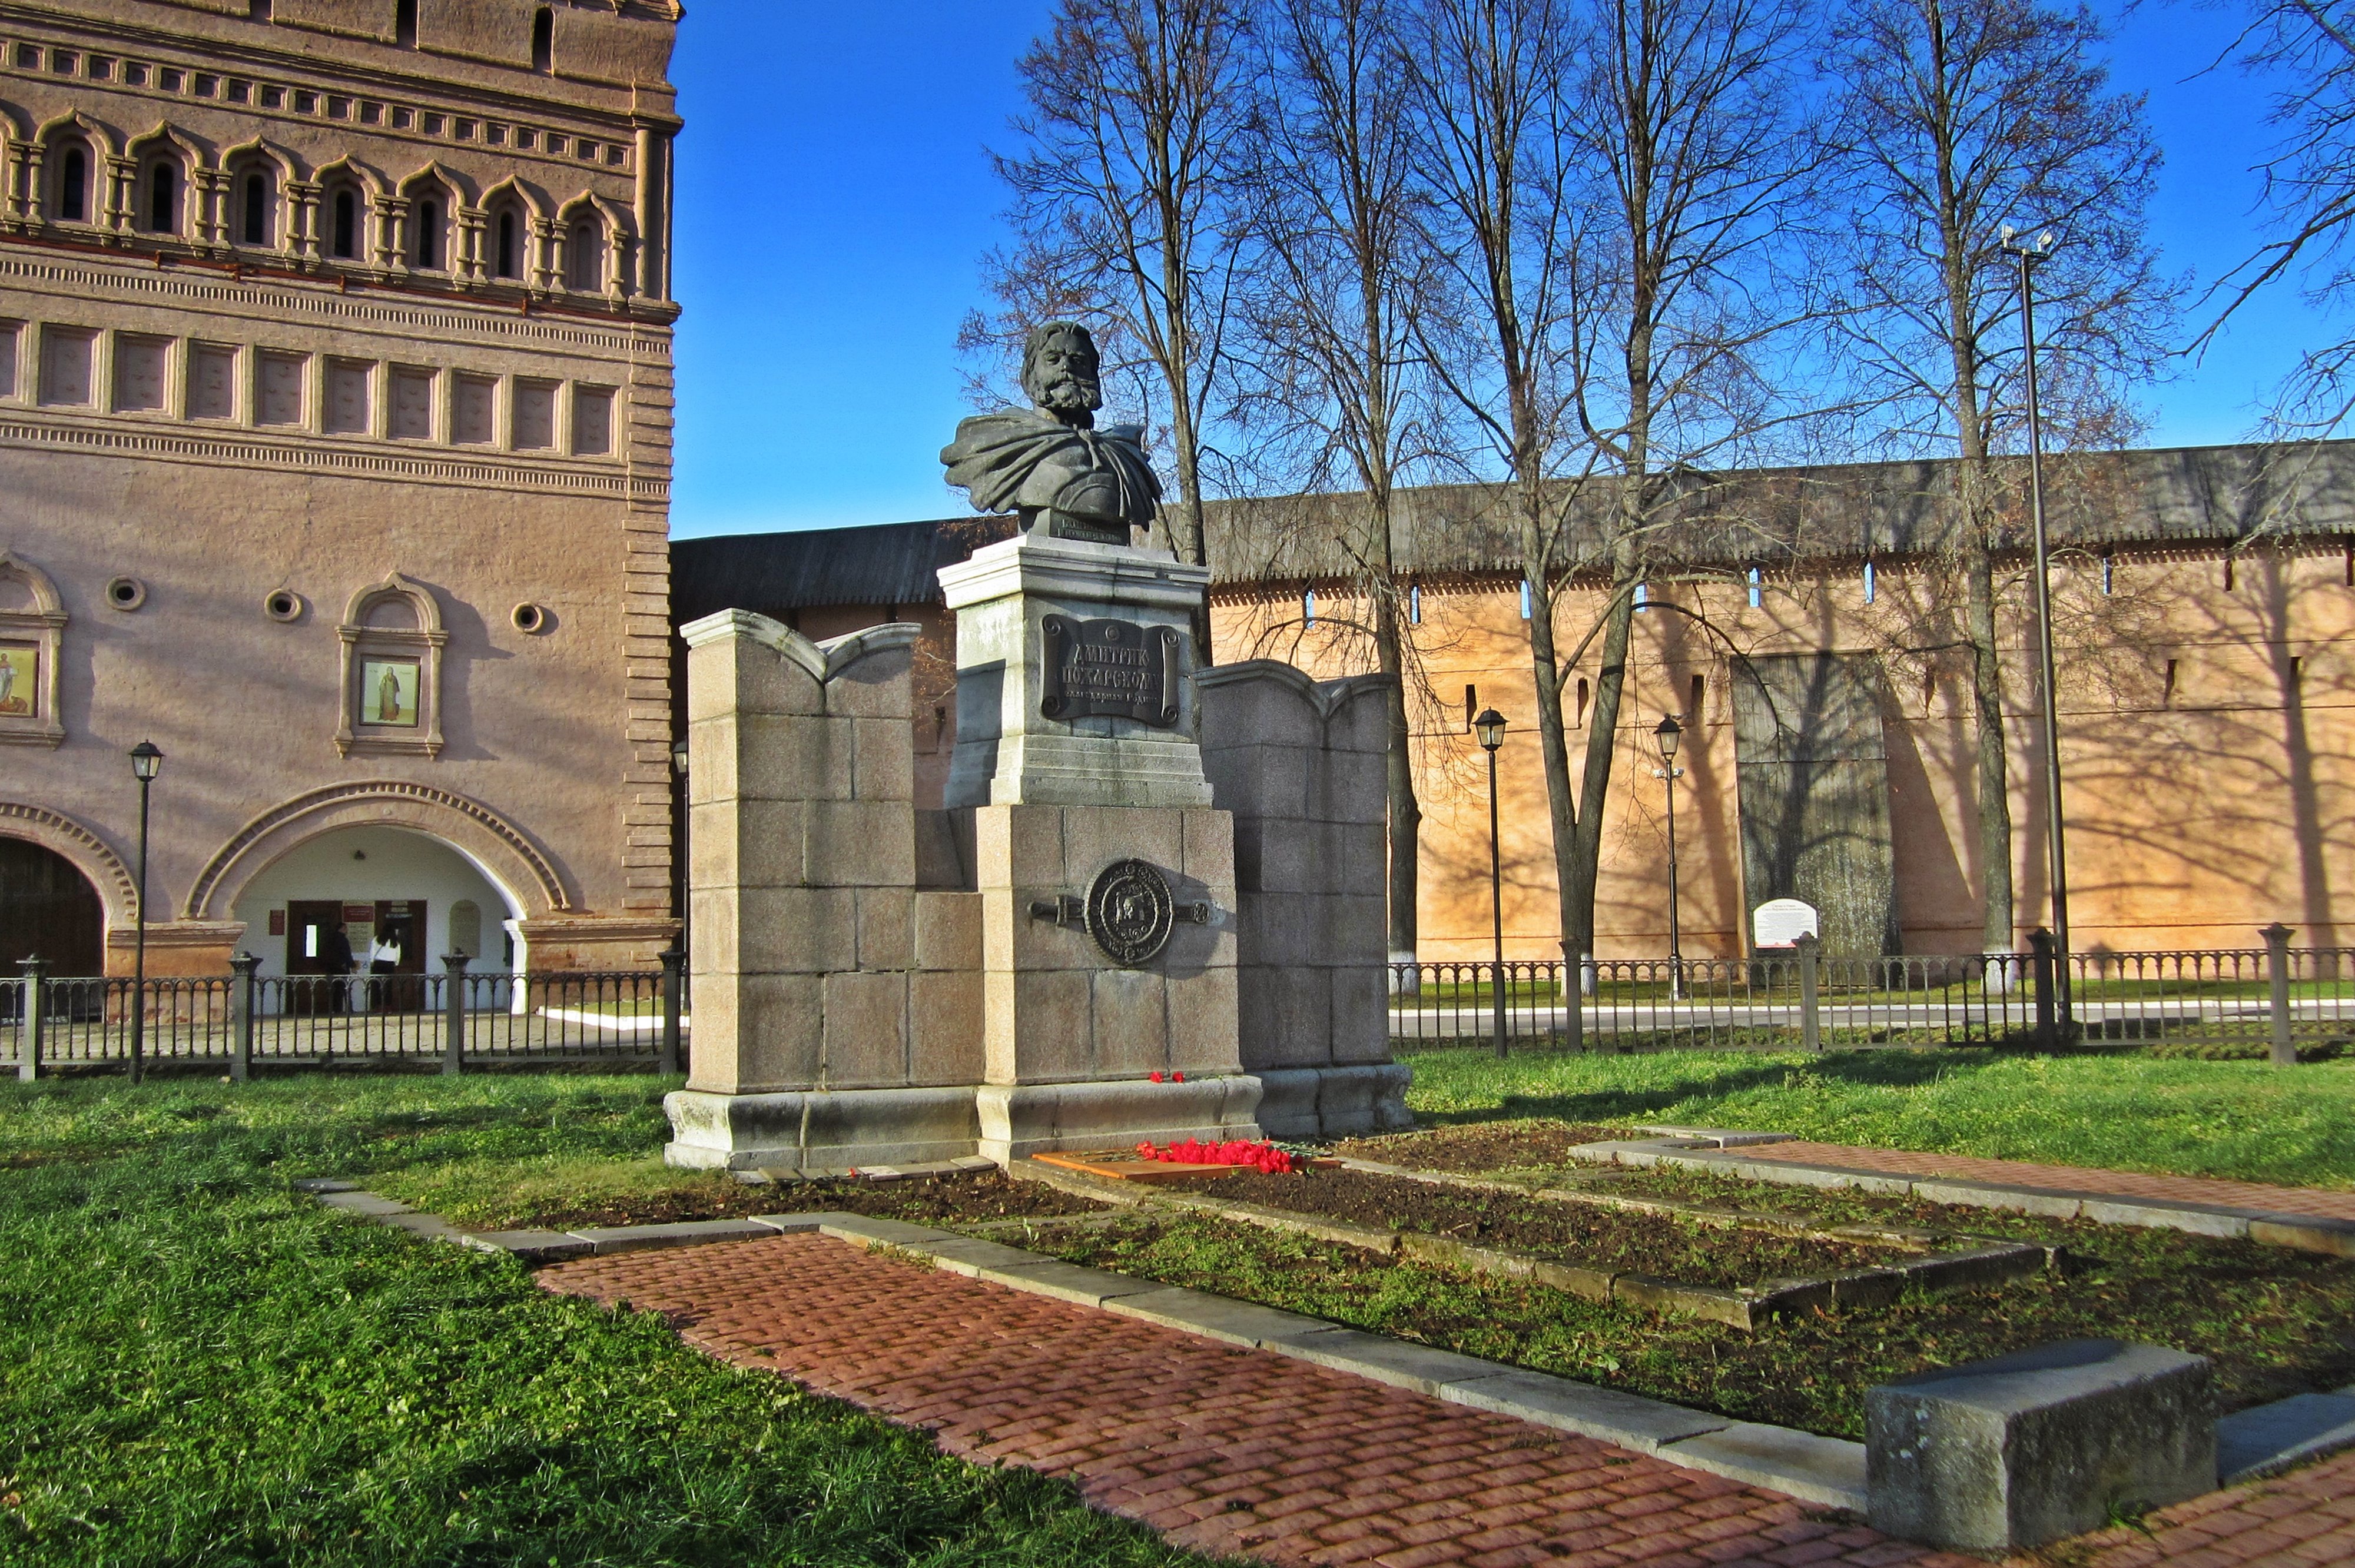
(1067, 478)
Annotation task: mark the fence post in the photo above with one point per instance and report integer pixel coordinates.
(2040, 948)
(240, 1016)
(453, 1012)
(673, 983)
(2277, 937)
(33, 1020)
(1811, 980)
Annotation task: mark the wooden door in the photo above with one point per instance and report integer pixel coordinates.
(316, 981)
(400, 925)
(48, 910)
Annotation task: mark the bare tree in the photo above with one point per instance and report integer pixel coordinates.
(1334, 371)
(2310, 189)
(1962, 115)
(1616, 181)
(1125, 206)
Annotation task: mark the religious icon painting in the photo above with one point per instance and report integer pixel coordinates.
(388, 692)
(20, 692)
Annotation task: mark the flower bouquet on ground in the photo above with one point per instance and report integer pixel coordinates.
(1263, 1157)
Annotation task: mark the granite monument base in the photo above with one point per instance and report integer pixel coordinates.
(819, 1129)
(1018, 1120)
(1335, 1102)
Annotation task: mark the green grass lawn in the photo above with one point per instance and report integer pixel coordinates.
(2247, 1120)
(198, 1366)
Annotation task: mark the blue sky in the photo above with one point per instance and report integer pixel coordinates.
(835, 198)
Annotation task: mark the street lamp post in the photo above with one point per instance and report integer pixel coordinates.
(1490, 726)
(146, 761)
(2028, 253)
(1668, 736)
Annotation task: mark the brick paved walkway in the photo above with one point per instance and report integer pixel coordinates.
(2308, 1201)
(1239, 1451)
(1222, 1450)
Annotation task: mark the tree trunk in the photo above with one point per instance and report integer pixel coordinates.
(1405, 811)
(1594, 782)
(1553, 747)
(1994, 780)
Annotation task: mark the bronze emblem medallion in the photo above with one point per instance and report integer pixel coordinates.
(1130, 912)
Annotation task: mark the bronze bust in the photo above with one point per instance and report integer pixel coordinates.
(1067, 478)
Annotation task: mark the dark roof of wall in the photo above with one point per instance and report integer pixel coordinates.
(884, 564)
(1775, 516)
(1769, 517)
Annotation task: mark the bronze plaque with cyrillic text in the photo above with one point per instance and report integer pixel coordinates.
(1114, 667)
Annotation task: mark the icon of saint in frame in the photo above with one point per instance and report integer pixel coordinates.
(388, 692)
(19, 691)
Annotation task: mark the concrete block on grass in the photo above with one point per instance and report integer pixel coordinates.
(418, 1224)
(1244, 1324)
(1066, 1281)
(863, 1230)
(529, 1248)
(368, 1203)
(1814, 1469)
(606, 1239)
(2008, 1454)
(969, 1258)
(803, 1223)
(1383, 1359)
(2336, 1237)
(1629, 1419)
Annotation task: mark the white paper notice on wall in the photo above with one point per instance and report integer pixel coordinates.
(1780, 922)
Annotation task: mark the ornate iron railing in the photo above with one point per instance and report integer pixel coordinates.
(244, 1022)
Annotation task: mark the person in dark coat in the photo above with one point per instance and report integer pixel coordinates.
(339, 962)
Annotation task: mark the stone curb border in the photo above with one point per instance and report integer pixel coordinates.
(1707, 1149)
(1828, 1471)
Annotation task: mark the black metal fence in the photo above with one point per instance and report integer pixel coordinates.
(2276, 1001)
(240, 1022)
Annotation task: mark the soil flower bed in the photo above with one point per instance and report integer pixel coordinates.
(1688, 1252)
(2276, 1322)
(1481, 1147)
(950, 1200)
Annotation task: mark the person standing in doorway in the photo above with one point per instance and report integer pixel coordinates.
(338, 957)
(384, 959)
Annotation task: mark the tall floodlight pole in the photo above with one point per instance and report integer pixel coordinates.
(1490, 726)
(1668, 736)
(146, 761)
(2028, 253)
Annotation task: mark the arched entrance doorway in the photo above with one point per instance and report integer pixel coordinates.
(383, 904)
(49, 910)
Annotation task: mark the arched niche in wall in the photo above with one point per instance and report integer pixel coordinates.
(392, 689)
(32, 637)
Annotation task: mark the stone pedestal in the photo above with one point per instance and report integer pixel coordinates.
(1016, 742)
(1072, 1036)
(1077, 750)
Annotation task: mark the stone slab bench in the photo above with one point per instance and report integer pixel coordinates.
(2016, 1451)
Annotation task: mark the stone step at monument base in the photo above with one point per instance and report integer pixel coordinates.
(821, 1130)
(1018, 1120)
(1320, 1102)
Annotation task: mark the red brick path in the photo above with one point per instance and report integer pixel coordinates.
(1222, 1450)
(2304, 1520)
(2307, 1201)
